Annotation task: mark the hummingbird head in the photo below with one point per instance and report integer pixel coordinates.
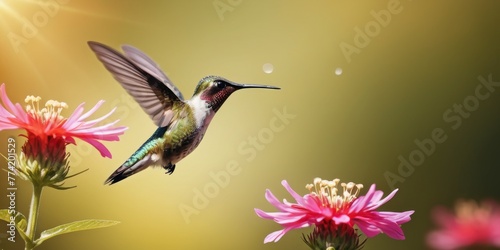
(215, 90)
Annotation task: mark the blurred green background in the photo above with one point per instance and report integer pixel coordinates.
(401, 72)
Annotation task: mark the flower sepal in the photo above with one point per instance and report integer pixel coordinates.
(329, 236)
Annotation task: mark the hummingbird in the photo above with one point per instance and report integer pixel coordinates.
(181, 123)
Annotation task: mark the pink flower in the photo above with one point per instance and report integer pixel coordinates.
(48, 122)
(324, 205)
(472, 224)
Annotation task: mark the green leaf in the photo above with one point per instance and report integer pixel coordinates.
(20, 220)
(22, 224)
(74, 227)
(4, 215)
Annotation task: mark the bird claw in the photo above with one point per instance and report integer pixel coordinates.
(170, 168)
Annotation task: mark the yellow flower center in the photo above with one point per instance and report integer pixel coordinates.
(52, 109)
(329, 194)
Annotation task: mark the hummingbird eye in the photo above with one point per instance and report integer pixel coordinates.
(220, 84)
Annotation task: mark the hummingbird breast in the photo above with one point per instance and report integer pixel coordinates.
(176, 151)
(186, 133)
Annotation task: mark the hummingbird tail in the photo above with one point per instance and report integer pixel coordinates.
(144, 157)
(127, 169)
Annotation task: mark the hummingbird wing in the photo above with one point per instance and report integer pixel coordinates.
(147, 64)
(147, 88)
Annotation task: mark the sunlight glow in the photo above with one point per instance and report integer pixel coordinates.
(29, 26)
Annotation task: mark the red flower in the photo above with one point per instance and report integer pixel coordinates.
(48, 122)
(472, 224)
(325, 204)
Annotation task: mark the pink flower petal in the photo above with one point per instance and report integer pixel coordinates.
(378, 202)
(13, 116)
(275, 236)
(362, 201)
(443, 217)
(296, 196)
(315, 209)
(474, 224)
(97, 120)
(398, 217)
(72, 121)
(16, 110)
(341, 219)
(91, 111)
(99, 146)
(273, 200)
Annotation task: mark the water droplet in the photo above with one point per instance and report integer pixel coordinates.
(338, 71)
(267, 68)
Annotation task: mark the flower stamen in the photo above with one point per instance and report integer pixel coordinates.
(327, 192)
(467, 211)
(51, 111)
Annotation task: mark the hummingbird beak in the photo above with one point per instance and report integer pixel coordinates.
(246, 86)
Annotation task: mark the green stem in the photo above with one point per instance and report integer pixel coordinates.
(33, 216)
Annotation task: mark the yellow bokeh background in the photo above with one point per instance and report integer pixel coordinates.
(394, 88)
